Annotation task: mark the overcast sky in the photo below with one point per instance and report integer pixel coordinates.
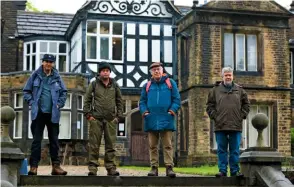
(71, 6)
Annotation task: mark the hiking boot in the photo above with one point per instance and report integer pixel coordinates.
(33, 171)
(237, 174)
(92, 170)
(92, 173)
(112, 172)
(57, 170)
(153, 171)
(170, 172)
(221, 174)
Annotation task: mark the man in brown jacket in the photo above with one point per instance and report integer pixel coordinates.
(103, 109)
(227, 106)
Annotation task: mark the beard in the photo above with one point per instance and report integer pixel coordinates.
(228, 83)
(104, 78)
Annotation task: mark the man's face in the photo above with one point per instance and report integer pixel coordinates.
(228, 78)
(157, 72)
(104, 73)
(47, 65)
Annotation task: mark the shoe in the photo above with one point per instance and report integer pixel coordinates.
(237, 174)
(92, 170)
(57, 170)
(112, 172)
(33, 171)
(153, 172)
(169, 172)
(221, 174)
(92, 173)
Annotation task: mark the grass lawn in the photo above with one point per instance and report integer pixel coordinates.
(203, 170)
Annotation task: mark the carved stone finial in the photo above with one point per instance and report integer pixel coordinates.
(260, 122)
(7, 115)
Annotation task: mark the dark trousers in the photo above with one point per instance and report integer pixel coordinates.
(231, 139)
(37, 129)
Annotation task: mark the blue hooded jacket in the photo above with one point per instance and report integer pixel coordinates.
(33, 89)
(158, 102)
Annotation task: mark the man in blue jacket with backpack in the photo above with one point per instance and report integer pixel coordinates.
(159, 102)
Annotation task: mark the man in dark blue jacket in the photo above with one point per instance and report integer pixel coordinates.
(46, 94)
(159, 102)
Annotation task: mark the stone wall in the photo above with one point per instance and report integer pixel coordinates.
(269, 85)
(11, 48)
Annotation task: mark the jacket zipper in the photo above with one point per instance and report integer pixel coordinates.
(157, 104)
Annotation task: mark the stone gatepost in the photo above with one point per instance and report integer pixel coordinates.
(263, 165)
(11, 155)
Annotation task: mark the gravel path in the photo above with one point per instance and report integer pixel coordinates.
(83, 170)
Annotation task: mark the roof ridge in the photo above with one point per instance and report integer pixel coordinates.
(42, 13)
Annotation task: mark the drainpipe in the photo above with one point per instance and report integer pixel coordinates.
(175, 76)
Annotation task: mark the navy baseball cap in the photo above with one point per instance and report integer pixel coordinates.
(48, 57)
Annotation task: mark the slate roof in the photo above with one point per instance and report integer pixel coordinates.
(183, 9)
(35, 23)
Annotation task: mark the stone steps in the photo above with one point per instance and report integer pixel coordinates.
(128, 181)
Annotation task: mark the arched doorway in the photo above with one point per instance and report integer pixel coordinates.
(139, 145)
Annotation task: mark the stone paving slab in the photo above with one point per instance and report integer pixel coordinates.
(83, 170)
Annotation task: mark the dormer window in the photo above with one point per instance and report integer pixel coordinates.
(34, 51)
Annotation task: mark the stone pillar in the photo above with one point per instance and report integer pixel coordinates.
(263, 165)
(11, 155)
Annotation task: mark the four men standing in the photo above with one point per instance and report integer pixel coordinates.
(45, 92)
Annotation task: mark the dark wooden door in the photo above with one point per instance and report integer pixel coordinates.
(140, 147)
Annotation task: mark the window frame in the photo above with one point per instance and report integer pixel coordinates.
(17, 110)
(38, 54)
(236, 32)
(70, 125)
(80, 112)
(98, 42)
(31, 54)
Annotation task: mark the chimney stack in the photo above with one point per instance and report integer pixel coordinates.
(292, 7)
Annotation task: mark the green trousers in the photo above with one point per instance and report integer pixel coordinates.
(97, 127)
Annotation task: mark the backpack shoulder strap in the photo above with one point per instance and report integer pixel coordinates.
(93, 87)
(148, 86)
(168, 83)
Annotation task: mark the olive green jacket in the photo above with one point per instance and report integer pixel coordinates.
(227, 107)
(107, 103)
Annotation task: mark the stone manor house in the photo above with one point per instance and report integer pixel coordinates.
(193, 43)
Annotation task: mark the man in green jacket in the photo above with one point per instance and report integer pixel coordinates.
(228, 106)
(103, 109)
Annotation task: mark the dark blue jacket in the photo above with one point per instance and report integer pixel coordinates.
(33, 89)
(158, 101)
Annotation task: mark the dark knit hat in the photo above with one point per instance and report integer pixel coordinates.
(155, 64)
(104, 65)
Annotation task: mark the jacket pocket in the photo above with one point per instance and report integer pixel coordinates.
(36, 87)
